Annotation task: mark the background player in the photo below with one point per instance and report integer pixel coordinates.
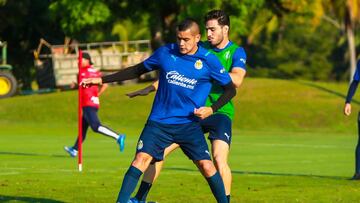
(347, 111)
(184, 83)
(90, 105)
(233, 58)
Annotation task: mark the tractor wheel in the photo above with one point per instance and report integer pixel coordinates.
(8, 84)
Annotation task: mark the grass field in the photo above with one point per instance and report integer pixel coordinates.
(291, 143)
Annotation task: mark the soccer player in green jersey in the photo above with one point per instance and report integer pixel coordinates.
(233, 58)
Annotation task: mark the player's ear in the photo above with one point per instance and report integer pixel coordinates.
(197, 37)
(226, 29)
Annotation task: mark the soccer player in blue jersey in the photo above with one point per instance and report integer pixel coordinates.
(233, 58)
(347, 111)
(186, 72)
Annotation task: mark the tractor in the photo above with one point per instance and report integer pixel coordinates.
(8, 83)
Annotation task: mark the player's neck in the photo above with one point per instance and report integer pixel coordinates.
(193, 51)
(223, 44)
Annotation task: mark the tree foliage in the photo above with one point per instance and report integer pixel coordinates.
(308, 39)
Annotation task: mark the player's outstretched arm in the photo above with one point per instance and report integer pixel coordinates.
(352, 89)
(229, 93)
(145, 91)
(124, 74)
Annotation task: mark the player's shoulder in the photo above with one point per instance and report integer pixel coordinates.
(170, 46)
(236, 47)
(239, 51)
(206, 54)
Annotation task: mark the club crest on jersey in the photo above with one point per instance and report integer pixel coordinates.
(140, 145)
(198, 64)
(227, 55)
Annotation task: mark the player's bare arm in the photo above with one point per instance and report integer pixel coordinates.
(237, 75)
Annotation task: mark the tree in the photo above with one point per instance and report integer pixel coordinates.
(344, 15)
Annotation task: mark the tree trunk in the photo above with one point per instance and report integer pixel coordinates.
(352, 51)
(349, 26)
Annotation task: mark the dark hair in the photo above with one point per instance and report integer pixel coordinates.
(187, 24)
(86, 55)
(219, 15)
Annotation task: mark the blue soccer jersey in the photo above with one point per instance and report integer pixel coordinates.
(184, 82)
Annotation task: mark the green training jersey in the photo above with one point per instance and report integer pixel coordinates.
(231, 56)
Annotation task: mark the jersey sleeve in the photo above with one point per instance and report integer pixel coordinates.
(357, 72)
(239, 59)
(217, 71)
(153, 62)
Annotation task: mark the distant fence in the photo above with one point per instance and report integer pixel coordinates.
(108, 57)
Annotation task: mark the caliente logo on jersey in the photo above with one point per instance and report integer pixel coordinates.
(176, 78)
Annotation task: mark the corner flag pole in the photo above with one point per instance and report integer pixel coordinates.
(80, 92)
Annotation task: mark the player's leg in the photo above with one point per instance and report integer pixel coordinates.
(150, 175)
(213, 178)
(219, 127)
(357, 154)
(90, 114)
(220, 152)
(151, 146)
(131, 178)
(192, 142)
(72, 151)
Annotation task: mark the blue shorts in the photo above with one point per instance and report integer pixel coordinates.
(218, 126)
(156, 136)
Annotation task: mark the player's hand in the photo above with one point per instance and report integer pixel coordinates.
(91, 81)
(142, 92)
(347, 109)
(203, 112)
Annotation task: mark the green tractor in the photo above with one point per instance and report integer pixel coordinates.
(8, 84)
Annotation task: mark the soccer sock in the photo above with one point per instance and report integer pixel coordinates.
(228, 198)
(217, 187)
(143, 191)
(129, 183)
(108, 132)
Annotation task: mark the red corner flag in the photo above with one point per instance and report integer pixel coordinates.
(80, 92)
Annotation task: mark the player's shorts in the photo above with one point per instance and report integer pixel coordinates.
(156, 136)
(218, 126)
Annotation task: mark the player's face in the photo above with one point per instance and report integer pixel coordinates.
(187, 41)
(215, 32)
(85, 62)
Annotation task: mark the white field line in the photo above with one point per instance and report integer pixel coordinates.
(16, 171)
(295, 145)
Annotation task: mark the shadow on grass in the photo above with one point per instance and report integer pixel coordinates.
(328, 91)
(266, 173)
(4, 198)
(30, 154)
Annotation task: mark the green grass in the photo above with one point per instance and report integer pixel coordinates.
(291, 144)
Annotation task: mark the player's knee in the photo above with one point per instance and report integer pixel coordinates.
(221, 163)
(95, 127)
(141, 161)
(207, 167)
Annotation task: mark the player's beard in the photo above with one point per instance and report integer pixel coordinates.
(215, 44)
